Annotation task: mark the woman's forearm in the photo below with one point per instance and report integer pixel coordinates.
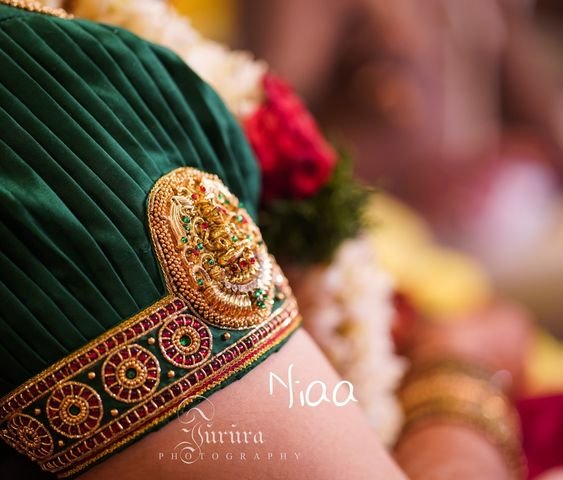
(444, 451)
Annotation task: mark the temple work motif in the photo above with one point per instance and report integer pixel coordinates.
(228, 305)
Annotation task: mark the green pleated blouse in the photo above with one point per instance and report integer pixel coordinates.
(90, 117)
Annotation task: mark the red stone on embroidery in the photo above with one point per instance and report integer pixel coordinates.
(155, 319)
(162, 313)
(178, 304)
(90, 423)
(74, 365)
(170, 308)
(26, 396)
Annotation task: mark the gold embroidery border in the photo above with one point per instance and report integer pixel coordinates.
(40, 377)
(284, 330)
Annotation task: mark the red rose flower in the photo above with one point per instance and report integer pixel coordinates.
(295, 159)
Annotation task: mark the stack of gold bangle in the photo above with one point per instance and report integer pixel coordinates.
(463, 393)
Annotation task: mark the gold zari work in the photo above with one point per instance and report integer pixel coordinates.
(220, 279)
(211, 250)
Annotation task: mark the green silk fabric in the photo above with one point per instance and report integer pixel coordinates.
(90, 117)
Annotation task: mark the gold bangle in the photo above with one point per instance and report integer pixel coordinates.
(463, 393)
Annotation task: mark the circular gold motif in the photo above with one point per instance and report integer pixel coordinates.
(74, 409)
(185, 341)
(131, 374)
(29, 436)
(210, 249)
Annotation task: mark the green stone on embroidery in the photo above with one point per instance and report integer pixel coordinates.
(184, 239)
(200, 246)
(74, 410)
(187, 227)
(131, 373)
(211, 261)
(234, 238)
(186, 220)
(185, 340)
(200, 282)
(240, 218)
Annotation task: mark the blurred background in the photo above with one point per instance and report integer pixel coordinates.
(455, 107)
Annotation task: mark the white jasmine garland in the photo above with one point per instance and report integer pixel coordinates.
(234, 75)
(347, 308)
